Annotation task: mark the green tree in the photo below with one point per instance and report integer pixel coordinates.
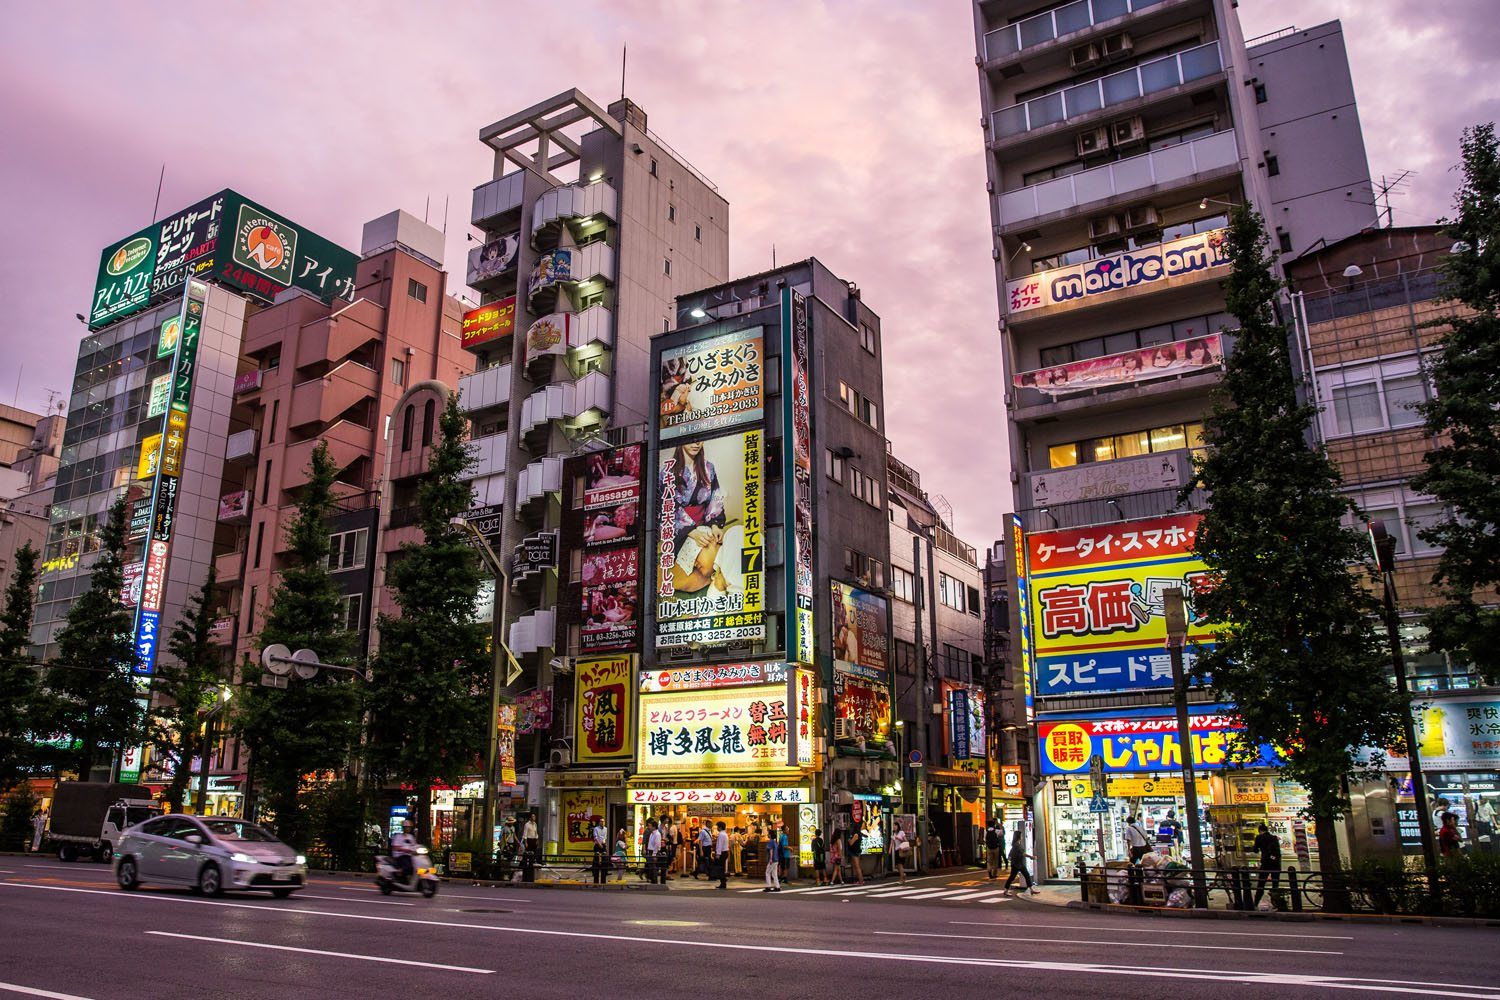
(310, 726)
(428, 691)
(1295, 652)
(18, 674)
(187, 687)
(92, 696)
(1464, 473)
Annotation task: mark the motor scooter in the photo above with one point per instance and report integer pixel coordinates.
(423, 879)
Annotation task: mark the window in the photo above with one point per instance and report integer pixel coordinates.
(1356, 408)
(849, 398)
(869, 572)
(347, 549)
(903, 585)
(951, 592)
(1374, 397)
(906, 657)
(265, 484)
(871, 414)
(867, 337)
(352, 612)
(408, 418)
(398, 371)
(1405, 516)
(1402, 396)
(1127, 445)
(671, 212)
(429, 414)
(416, 290)
(1260, 93)
(1130, 340)
(666, 265)
(250, 608)
(653, 167)
(260, 538)
(973, 598)
(275, 411)
(697, 232)
(1284, 240)
(1273, 166)
(833, 466)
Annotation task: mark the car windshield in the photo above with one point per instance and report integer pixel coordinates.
(238, 829)
(138, 814)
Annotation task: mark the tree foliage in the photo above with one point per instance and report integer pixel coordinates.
(428, 691)
(1464, 473)
(18, 674)
(187, 687)
(1295, 651)
(91, 694)
(310, 726)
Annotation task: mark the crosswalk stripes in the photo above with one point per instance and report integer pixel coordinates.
(882, 891)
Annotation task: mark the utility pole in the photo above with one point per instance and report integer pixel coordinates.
(1175, 612)
(920, 728)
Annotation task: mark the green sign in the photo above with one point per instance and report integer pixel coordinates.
(166, 337)
(161, 391)
(124, 283)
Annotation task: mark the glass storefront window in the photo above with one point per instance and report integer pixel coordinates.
(1131, 445)
(1062, 455)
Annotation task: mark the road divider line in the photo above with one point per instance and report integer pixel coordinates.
(1155, 931)
(326, 954)
(1252, 978)
(31, 991)
(1130, 944)
(354, 899)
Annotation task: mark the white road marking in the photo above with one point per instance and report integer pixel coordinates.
(102, 869)
(1147, 972)
(911, 894)
(1153, 931)
(327, 954)
(1130, 944)
(349, 899)
(446, 895)
(31, 992)
(985, 896)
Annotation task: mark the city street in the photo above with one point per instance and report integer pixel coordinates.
(70, 933)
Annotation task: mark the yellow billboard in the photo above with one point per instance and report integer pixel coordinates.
(145, 464)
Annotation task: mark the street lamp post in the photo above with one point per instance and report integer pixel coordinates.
(1175, 612)
(1384, 547)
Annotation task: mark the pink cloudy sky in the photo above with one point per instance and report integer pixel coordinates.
(846, 130)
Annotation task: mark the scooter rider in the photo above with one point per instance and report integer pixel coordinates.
(404, 848)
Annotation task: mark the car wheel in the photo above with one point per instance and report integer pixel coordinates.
(281, 893)
(105, 853)
(211, 880)
(67, 852)
(127, 875)
(429, 889)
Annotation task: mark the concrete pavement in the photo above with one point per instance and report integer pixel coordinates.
(69, 933)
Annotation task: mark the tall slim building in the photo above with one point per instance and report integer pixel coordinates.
(591, 226)
(1119, 135)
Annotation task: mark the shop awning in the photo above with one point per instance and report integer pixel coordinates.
(950, 776)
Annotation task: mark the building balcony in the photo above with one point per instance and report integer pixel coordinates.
(240, 446)
(221, 631)
(497, 198)
(334, 338)
(347, 441)
(533, 632)
(567, 267)
(573, 203)
(566, 401)
(1134, 178)
(229, 566)
(318, 401)
(1187, 261)
(1061, 28)
(1119, 381)
(489, 455)
(595, 325)
(1105, 480)
(538, 479)
(484, 389)
(493, 265)
(1085, 100)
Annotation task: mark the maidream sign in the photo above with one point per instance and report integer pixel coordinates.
(226, 239)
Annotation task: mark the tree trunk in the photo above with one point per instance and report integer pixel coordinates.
(1335, 888)
(424, 811)
(176, 790)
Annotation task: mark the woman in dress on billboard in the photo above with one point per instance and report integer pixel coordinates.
(701, 525)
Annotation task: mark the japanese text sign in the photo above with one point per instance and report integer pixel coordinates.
(487, 323)
(602, 706)
(1146, 740)
(1142, 266)
(727, 731)
(712, 384)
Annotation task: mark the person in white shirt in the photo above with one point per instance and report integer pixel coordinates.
(721, 855)
(653, 852)
(705, 852)
(601, 850)
(1136, 840)
(900, 848)
(404, 850)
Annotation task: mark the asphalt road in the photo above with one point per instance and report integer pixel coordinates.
(67, 932)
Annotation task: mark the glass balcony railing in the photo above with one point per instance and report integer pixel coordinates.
(1117, 88)
(1052, 24)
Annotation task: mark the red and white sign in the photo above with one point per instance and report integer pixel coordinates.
(155, 578)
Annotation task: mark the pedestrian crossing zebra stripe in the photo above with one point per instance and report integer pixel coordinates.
(898, 891)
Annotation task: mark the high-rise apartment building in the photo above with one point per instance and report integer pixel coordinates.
(591, 225)
(1119, 135)
(30, 448)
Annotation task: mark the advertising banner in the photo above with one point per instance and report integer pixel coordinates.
(505, 751)
(1096, 603)
(533, 554)
(268, 254)
(494, 258)
(550, 268)
(1163, 360)
(601, 706)
(716, 675)
(744, 794)
(134, 574)
(168, 335)
(724, 731)
(709, 565)
(149, 457)
(611, 599)
(861, 673)
(863, 704)
(534, 712)
(234, 506)
(487, 520)
(1134, 741)
(1023, 603)
(548, 335)
(612, 496)
(487, 323)
(806, 709)
(713, 384)
(161, 391)
(580, 806)
(186, 244)
(964, 708)
(797, 460)
(1127, 269)
(1453, 734)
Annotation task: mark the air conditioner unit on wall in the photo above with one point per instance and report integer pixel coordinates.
(1127, 131)
(1117, 46)
(1093, 142)
(1082, 56)
(560, 758)
(1141, 217)
(1102, 227)
(841, 729)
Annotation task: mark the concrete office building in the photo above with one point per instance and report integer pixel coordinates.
(1119, 134)
(26, 481)
(591, 226)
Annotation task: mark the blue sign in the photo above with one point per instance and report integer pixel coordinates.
(1098, 803)
(1101, 670)
(146, 627)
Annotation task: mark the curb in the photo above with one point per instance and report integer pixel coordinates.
(1278, 916)
(495, 884)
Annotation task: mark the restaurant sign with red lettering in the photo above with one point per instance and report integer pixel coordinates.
(1138, 741)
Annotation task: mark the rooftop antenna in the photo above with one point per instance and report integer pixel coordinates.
(445, 214)
(52, 395)
(624, 50)
(773, 256)
(15, 400)
(160, 178)
(426, 207)
(1383, 192)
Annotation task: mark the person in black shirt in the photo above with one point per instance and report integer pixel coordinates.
(1269, 848)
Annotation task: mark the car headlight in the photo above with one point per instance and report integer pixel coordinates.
(301, 859)
(243, 859)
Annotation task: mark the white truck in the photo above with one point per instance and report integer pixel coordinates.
(87, 817)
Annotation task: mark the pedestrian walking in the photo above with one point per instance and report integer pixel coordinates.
(773, 860)
(721, 855)
(1169, 833)
(38, 829)
(600, 835)
(820, 857)
(836, 860)
(787, 856)
(705, 853)
(1018, 858)
(1136, 840)
(901, 852)
(1269, 847)
(653, 853)
(853, 847)
(621, 856)
(530, 848)
(1450, 841)
(994, 844)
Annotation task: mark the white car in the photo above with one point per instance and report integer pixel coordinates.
(209, 854)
